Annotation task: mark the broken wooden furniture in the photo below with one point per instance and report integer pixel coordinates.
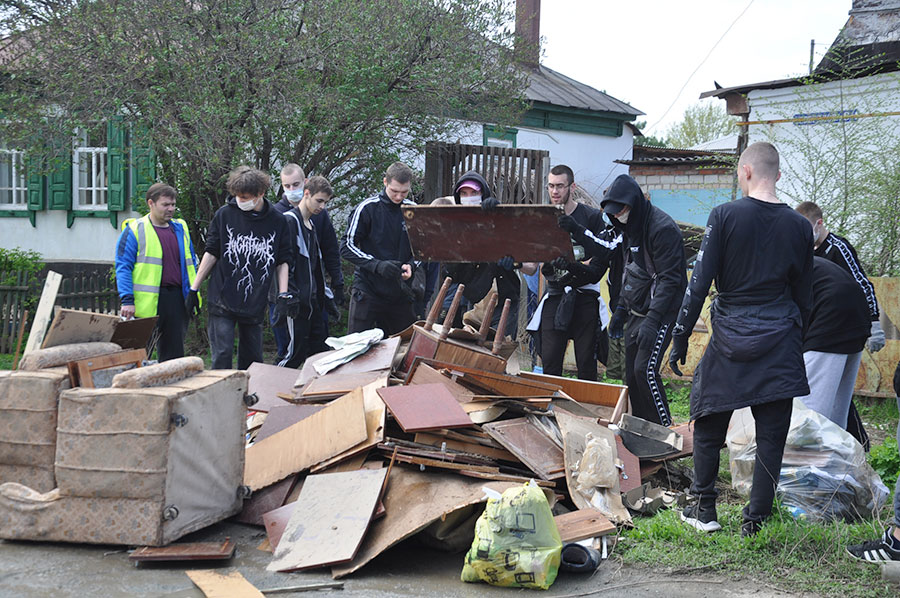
(139, 466)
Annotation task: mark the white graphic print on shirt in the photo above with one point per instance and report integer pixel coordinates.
(243, 250)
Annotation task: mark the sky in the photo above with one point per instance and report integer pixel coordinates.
(643, 51)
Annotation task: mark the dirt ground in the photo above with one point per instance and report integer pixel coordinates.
(51, 570)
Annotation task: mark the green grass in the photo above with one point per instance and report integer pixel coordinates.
(6, 361)
(786, 554)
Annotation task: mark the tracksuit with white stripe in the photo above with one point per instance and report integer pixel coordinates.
(377, 233)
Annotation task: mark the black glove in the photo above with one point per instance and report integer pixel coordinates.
(547, 269)
(568, 224)
(617, 323)
(339, 296)
(678, 353)
(287, 305)
(489, 204)
(389, 269)
(332, 309)
(192, 304)
(647, 333)
(506, 262)
(560, 263)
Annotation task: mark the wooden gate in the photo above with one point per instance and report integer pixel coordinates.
(514, 175)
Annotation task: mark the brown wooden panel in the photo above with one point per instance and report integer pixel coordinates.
(269, 380)
(424, 407)
(335, 385)
(276, 521)
(188, 551)
(134, 334)
(530, 445)
(583, 391)
(425, 374)
(582, 524)
(631, 477)
(469, 234)
(265, 500)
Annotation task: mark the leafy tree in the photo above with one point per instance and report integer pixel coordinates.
(702, 122)
(342, 87)
(647, 140)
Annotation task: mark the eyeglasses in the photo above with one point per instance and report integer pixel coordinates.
(557, 187)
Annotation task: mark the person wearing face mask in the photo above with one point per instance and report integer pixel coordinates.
(649, 287)
(247, 246)
(472, 190)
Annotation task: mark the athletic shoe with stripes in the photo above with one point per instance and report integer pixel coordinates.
(701, 519)
(876, 551)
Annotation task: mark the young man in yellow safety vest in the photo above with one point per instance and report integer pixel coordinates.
(155, 267)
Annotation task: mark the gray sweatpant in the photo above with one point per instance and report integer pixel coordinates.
(831, 379)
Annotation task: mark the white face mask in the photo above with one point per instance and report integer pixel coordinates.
(247, 205)
(294, 195)
(472, 200)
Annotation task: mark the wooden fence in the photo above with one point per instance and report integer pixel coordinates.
(86, 291)
(514, 175)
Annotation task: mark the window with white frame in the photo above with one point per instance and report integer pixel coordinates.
(89, 176)
(13, 186)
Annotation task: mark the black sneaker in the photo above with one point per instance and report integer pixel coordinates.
(876, 551)
(700, 518)
(750, 528)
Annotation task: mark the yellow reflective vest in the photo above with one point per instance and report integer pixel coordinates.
(147, 273)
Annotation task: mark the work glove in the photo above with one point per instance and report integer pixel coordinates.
(192, 304)
(560, 263)
(332, 309)
(339, 296)
(506, 262)
(547, 269)
(876, 338)
(390, 269)
(568, 224)
(678, 353)
(287, 305)
(647, 333)
(617, 323)
(490, 204)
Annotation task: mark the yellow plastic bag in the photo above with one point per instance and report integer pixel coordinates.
(516, 542)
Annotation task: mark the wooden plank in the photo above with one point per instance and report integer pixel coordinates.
(329, 520)
(426, 462)
(380, 356)
(530, 445)
(424, 407)
(266, 381)
(583, 391)
(375, 415)
(336, 428)
(266, 499)
(498, 382)
(582, 524)
(336, 385)
(218, 585)
(188, 551)
(75, 326)
(412, 502)
(468, 234)
(44, 311)
(134, 334)
(425, 374)
(285, 416)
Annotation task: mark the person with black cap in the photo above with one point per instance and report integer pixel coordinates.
(649, 288)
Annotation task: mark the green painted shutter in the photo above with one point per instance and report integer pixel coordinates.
(143, 164)
(116, 164)
(35, 182)
(59, 181)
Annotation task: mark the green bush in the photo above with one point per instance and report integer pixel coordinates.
(18, 260)
(885, 459)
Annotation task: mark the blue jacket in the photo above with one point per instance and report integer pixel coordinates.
(126, 252)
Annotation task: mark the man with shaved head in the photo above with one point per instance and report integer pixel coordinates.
(760, 253)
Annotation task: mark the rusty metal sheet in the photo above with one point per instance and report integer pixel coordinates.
(424, 407)
(267, 381)
(528, 233)
(530, 445)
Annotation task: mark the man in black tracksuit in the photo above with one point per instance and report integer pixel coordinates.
(378, 245)
(649, 291)
(759, 251)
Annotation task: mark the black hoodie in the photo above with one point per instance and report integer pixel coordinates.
(478, 276)
(654, 243)
(248, 246)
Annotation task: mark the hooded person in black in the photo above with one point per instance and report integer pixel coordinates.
(473, 189)
(649, 288)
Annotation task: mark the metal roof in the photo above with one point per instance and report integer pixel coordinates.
(551, 87)
(644, 155)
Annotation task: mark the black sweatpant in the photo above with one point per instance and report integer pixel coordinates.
(582, 330)
(306, 336)
(172, 323)
(368, 312)
(645, 385)
(772, 423)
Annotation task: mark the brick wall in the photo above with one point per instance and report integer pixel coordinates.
(656, 177)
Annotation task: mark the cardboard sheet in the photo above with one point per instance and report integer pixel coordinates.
(223, 585)
(76, 326)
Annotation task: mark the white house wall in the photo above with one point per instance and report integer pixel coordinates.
(89, 239)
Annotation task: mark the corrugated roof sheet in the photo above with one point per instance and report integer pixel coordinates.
(547, 85)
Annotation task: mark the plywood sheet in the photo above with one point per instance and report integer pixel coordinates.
(582, 524)
(375, 415)
(269, 380)
(583, 391)
(630, 476)
(336, 428)
(528, 233)
(276, 522)
(75, 326)
(285, 416)
(335, 385)
(424, 407)
(134, 334)
(530, 445)
(575, 432)
(425, 374)
(380, 356)
(223, 585)
(329, 519)
(412, 502)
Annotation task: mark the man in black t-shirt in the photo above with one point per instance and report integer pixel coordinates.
(759, 251)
